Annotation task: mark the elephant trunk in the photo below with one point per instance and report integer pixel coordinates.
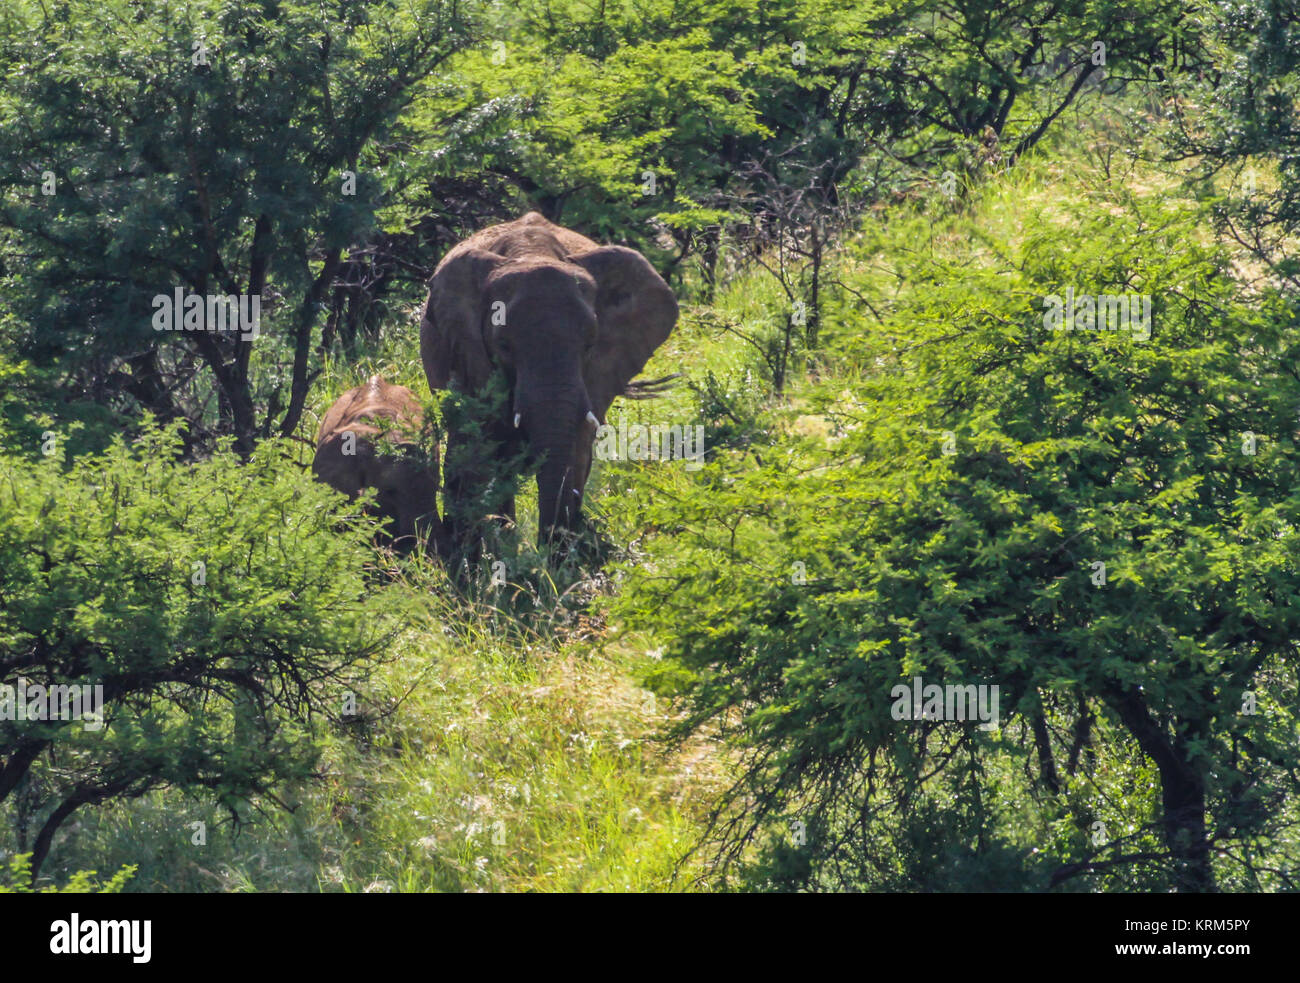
(557, 496)
(555, 416)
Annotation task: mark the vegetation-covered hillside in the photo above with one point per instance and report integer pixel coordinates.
(985, 577)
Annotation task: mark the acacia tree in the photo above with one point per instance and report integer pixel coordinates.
(218, 607)
(644, 123)
(792, 221)
(1104, 525)
(1237, 121)
(220, 148)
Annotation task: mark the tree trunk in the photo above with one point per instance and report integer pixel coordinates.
(302, 342)
(1182, 789)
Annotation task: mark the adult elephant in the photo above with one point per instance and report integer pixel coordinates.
(570, 323)
(362, 444)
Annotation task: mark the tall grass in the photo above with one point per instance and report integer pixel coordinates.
(485, 756)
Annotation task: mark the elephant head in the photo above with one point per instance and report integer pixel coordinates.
(569, 321)
(353, 453)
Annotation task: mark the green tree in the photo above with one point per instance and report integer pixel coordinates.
(1102, 524)
(1238, 119)
(219, 608)
(219, 148)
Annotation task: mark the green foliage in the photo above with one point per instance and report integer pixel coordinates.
(1240, 116)
(479, 452)
(17, 879)
(219, 606)
(488, 757)
(203, 149)
(920, 479)
(889, 558)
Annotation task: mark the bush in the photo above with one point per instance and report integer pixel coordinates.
(952, 522)
(219, 607)
(17, 879)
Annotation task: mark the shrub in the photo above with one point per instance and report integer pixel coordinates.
(953, 523)
(218, 607)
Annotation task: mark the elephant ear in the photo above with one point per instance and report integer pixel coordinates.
(635, 313)
(451, 332)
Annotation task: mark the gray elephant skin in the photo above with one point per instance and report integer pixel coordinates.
(365, 442)
(570, 322)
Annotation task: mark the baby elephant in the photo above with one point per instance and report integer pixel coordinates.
(366, 441)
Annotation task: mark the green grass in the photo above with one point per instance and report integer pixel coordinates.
(478, 764)
(489, 755)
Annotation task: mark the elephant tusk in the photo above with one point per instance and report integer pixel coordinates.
(591, 418)
(516, 421)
